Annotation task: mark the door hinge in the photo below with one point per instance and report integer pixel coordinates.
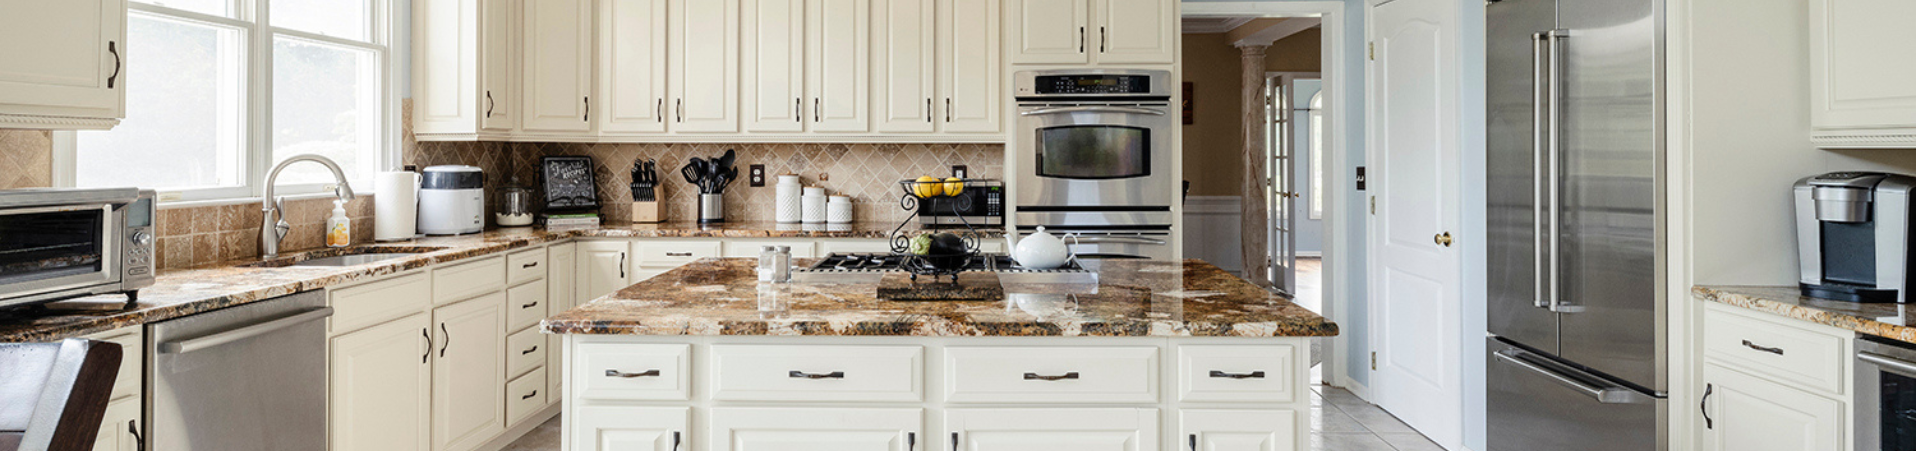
(1373, 361)
(1373, 205)
(1373, 51)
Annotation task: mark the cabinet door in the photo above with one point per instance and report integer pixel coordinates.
(704, 65)
(905, 33)
(1053, 429)
(604, 267)
(1860, 65)
(117, 426)
(446, 67)
(774, 65)
(468, 373)
(499, 34)
(1136, 31)
(969, 66)
(561, 277)
(1239, 430)
(747, 429)
(382, 385)
(64, 58)
(632, 66)
(840, 65)
(1744, 413)
(1050, 31)
(558, 65)
(628, 428)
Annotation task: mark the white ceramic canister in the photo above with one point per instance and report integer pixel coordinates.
(838, 210)
(790, 211)
(813, 205)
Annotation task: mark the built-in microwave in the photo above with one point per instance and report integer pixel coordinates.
(1095, 139)
(63, 243)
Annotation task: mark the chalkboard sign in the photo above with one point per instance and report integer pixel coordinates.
(569, 183)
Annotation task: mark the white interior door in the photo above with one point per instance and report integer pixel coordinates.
(1414, 295)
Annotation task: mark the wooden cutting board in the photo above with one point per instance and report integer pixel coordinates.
(971, 286)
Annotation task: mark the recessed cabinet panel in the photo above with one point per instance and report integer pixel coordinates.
(774, 65)
(382, 386)
(445, 66)
(499, 36)
(467, 373)
(1136, 31)
(631, 66)
(604, 267)
(840, 65)
(970, 68)
(865, 429)
(1238, 430)
(1053, 429)
(1050, 31)
(906, 37)
(1745, 413)
(704, 66)
(627, 428)
(558, 65)
(64, 58)
(1861, 91)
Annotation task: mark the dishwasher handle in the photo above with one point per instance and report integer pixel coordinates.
(195, 344)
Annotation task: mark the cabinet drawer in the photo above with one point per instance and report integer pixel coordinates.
(132, 353)
(1229, 373)
(1812, 359)
(463, 281)
(615, 371)
(525, 396)
(525, 266)
(818, 373)
(362, 306)
(750, 249)
(673, 253)
(1064, 374)
(525, 305)
(525, 351)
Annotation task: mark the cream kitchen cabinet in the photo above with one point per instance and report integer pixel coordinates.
(381, 386)
(603, 268)
(64, 66)
(1861, 93)
(774, 65)
(1094, 31)
(628, 428)
(466, 373)
(806, 65)
(703, 65)
(936, 66)
(1055, 429)
(970, 68)
(631, 65)
(905, 39)
(1237, 430)
(863, 429)
(464, 66)
(1772, 383)
(120, 427)
(561, 295)
(1747, 413)
(839, 69)
(558, 59)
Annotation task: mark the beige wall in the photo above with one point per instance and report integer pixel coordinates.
(1213, 145)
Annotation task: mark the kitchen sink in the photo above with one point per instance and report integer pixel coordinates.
(343, 257)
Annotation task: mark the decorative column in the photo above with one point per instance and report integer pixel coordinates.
(1257, 229)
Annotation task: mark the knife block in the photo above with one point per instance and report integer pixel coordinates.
(646, 213)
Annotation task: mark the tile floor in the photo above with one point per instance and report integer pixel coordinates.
(1340, 421)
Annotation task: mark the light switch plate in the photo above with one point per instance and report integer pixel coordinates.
(758, 175)
(960, 171)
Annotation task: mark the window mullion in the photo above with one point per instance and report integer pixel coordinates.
(259, 151)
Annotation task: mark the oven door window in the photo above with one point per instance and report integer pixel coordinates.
(39, 246)
(1898, 411)
(1094, 152)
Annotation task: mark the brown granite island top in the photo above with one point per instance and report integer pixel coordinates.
(1131, 298)
(180, 293)
(1892, 321)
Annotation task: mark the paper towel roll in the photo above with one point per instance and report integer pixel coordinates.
(396, 206)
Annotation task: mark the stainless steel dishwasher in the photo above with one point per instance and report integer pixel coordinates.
(251, 377)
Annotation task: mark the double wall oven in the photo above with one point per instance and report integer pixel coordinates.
(1095, 158)
(62, 243)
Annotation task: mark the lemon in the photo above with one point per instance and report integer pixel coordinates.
(927, 186)
(954, 186)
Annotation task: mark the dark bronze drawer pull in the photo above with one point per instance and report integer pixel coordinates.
(1748, 344)
(1035, 377)
(1250, 375)
(529, 350)
(530, 395)
(616, 373)
(795, 374)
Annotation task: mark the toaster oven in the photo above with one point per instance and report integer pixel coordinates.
(63, 243)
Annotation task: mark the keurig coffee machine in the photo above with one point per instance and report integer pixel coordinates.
(1852, 235)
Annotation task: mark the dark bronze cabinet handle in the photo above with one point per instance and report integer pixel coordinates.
(798, 110)
(1748, 344)
(795, 374)
(530, 395)
(911, 441)
(947, 109)
(621, 265)
(529, 265)
(1250, 375)
(818, 110)
(114, 49)
(678, 254)
(1104, 40)
(1704, 406)
(534, 348)
(588, 110)
(1194, 442)
(661, 113)
(139, 441)
(928, 113)
(680, 106)
(1080, 39)
(442, 346)
(675, 440)
(489, 104)
(427, 332)
(1036, 377)
(618, 374)
(533, 304)
(954, 441)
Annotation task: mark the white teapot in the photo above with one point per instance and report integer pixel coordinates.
(1039, 250)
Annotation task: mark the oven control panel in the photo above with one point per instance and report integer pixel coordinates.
(1082, 83)
(1094, 84)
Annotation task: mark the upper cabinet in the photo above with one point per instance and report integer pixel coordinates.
(558, 65)
(904, 53)
(970, 68)
(463, 69)
(631, 67)
(1861, 93)
(704, 65)
(936, 66)
(806, 65)
(840, 47)
(65, 66)
(774, 65)
(1093, 31)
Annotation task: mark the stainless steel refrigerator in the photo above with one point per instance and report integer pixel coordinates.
(1577, 313)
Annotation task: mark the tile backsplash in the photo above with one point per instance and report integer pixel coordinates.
(194, 236)
(26, 159)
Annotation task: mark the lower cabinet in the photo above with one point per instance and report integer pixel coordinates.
(604, 267)
(849, 429)
(381, 382)
(1118, 429)
(1746, 413)
(467, 370)
(626, 428)
(1237, 430)
(119, 427)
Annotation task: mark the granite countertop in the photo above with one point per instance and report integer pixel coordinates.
(1891, 321)
(179, 293)
(1132, 298)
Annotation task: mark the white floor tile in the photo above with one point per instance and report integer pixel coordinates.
(1410, 442)
(1329, 419)
(1330, 441)
(1377, 420)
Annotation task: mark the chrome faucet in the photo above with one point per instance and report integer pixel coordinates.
(273, 226)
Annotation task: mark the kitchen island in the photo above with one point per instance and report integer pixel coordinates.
(1135, 355)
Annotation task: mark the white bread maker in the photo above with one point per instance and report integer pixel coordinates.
(452, 200)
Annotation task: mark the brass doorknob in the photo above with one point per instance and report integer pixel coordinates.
(1442, 238)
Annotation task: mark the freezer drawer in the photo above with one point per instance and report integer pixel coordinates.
(1537, 404)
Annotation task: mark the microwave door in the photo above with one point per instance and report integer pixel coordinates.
(49, 249)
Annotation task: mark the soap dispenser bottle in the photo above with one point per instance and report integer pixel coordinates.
(339, 228)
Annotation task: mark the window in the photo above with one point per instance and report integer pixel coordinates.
(216, 96)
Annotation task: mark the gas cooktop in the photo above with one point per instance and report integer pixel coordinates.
(883, 262)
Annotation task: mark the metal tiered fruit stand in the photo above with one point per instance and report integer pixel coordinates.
(917, 196)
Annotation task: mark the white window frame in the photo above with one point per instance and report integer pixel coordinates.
(257, 85)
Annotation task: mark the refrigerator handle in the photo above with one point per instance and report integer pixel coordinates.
(1540, 123)
(1554, 146)
(1606, 395)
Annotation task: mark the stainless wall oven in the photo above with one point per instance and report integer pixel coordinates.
(62, 243)
(1885, 395)
(1095, 139)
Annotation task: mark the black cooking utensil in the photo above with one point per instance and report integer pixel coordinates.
(694, 173)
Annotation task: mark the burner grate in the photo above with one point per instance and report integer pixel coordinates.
(883, 262)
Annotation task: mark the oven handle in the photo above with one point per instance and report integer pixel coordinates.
(1106, 256)
(195, 344)
(1891, 364)
(1090, 109)
(1119, 239)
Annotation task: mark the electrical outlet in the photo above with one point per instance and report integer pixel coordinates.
(758, 175)
(960, 171)
(824, 176)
